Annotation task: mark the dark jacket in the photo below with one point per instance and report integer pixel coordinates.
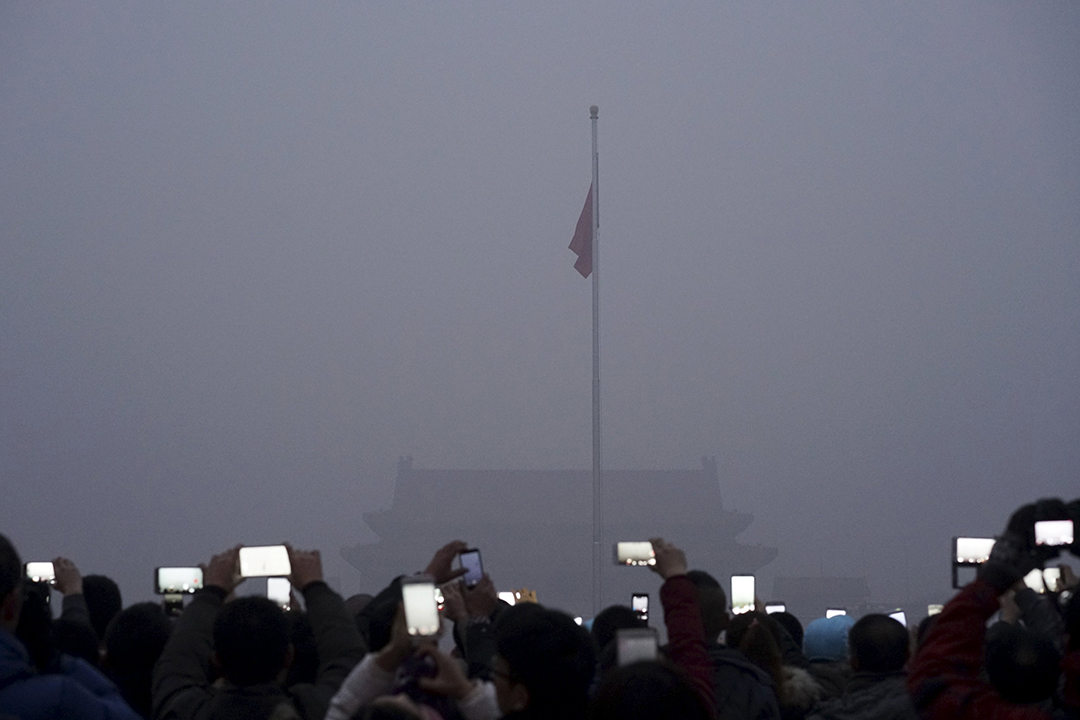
(870, 696)
(741, 688)
(77, 691)
(182, 689)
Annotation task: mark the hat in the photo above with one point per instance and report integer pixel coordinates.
(827, 638)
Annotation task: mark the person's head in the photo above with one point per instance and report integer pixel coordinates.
(544, 661)
(826, 639)
(791, 625)
(610, 619)
(133, 642)
(104, 601)
(647, 691)
(1022, 665)
(11, 572)
(755, 634)
(713, 603)
(251, 640)
(878, 643)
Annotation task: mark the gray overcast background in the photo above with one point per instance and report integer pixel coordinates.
(251, 252)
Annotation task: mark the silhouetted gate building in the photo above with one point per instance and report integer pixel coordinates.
(534, 528)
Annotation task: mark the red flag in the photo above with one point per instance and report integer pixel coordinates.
(583, 239)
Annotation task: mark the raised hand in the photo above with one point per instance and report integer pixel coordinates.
(223, 571)
(670, 560)
(68, 577)
(441, 566)
(306, 567)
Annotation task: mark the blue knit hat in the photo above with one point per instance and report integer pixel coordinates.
(827, 638)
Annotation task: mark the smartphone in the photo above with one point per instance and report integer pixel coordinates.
(421, 609)
(41, 572)
(899, 616)
(971, 550)
(265, 561)
(1034, 580)
(1052, 579)
(634, 553)
(173, 580)
(279, 590)
(833, 612)
(775, 607)
(934, 609)
(1054, 532)
(474, 569)
(635, 644)
(639, 603)
(742, 594)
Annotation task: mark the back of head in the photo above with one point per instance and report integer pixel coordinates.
(826, 639)
(878, 643)
(610, 619)
(754, 634)
(1023, 665)
(647, 691)
(133, 642)
(103, 598)
(791, 624)
(713, 603)
(548, 653)
(251, 638)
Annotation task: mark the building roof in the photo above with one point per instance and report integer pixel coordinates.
(558, 496)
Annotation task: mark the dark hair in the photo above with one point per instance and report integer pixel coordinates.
(1022, 664)
(879, 644)
(610, 619)
(133, 643)
(647, 691)
(791, 624)
(713, 603)
(251, 638)
(11, 569)
(550, 654)
(103, 599)
(758, 638)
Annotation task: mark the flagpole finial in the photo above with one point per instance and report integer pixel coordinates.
(594, 112)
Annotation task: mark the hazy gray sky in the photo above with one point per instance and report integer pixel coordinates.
(251, 252)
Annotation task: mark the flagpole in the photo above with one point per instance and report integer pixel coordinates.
(598, 511)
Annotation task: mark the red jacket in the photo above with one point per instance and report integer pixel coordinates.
(943, 677)
(686, 635)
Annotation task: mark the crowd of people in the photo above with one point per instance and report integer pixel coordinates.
(246, 657)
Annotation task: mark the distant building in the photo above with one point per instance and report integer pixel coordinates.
(534, 527)
(809, 597)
